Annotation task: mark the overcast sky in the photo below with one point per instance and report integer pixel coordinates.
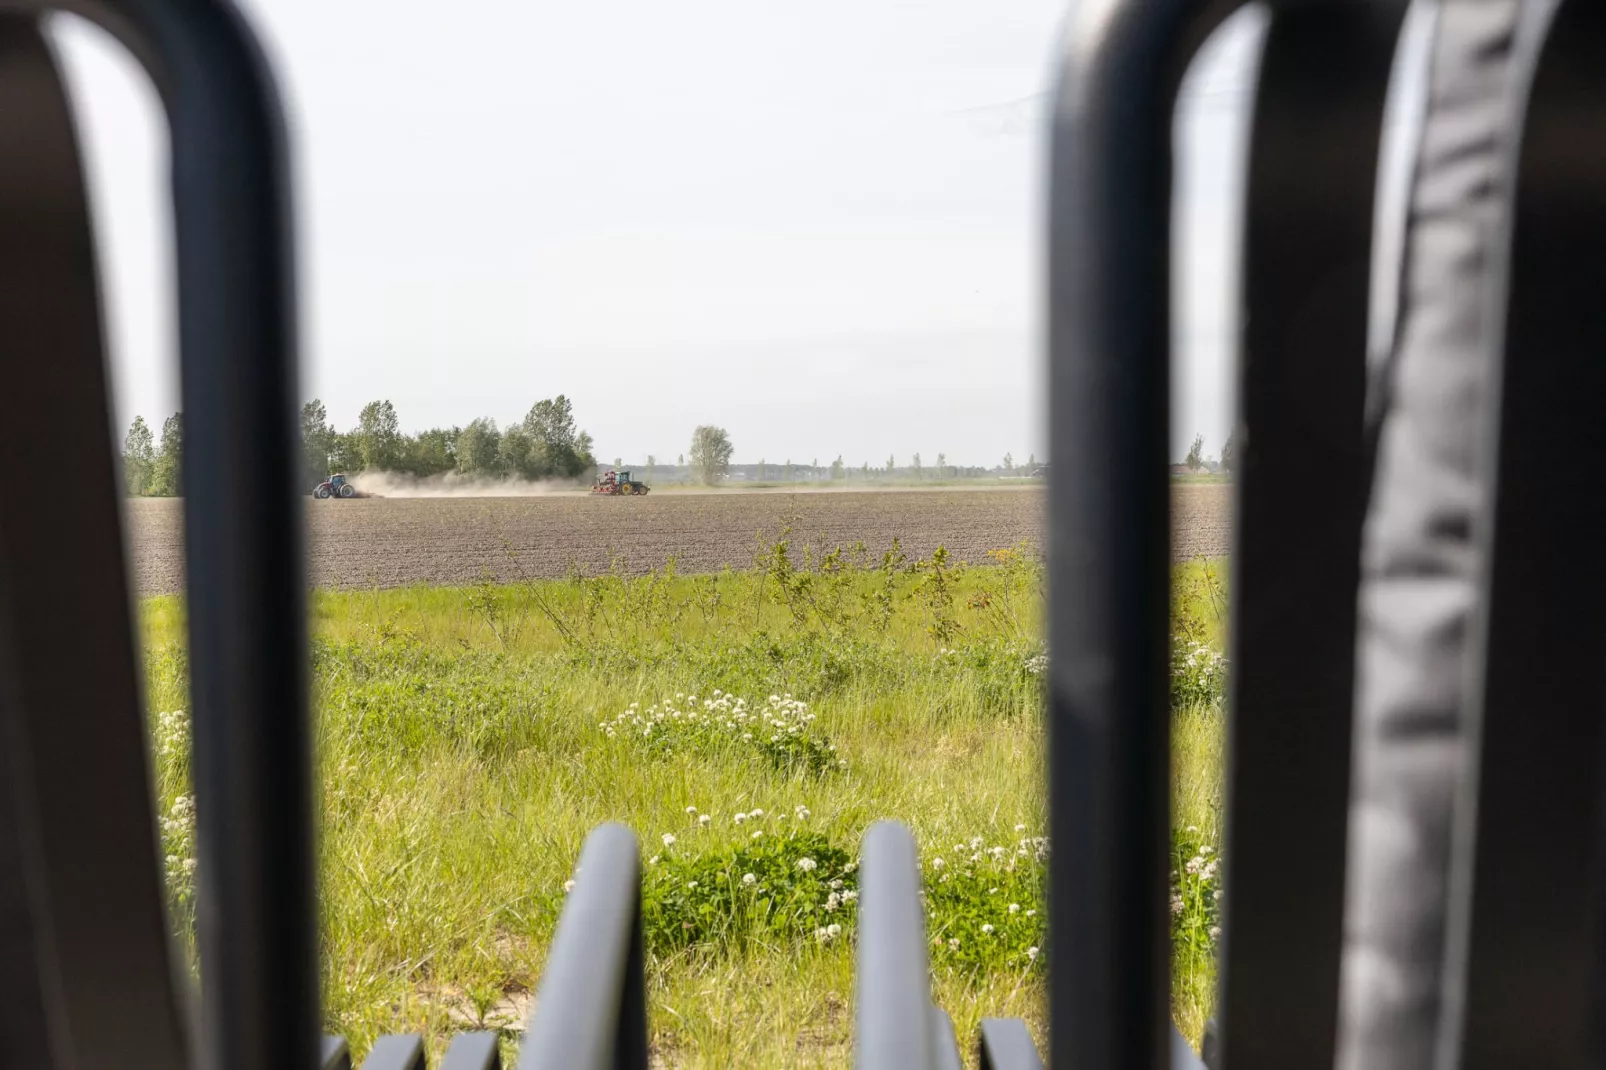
(817, 226)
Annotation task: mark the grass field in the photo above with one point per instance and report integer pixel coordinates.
(748, 726)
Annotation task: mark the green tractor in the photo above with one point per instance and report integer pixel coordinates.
(612, 483)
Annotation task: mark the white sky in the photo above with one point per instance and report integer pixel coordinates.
(817, 226)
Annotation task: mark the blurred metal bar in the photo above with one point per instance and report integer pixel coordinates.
(335, 1054)
(399, 1052)
(1525, 907)
(1183, 1057)
(892, 992)
(1109, 338)
(944, 1044)
(1006, 1044)
(591, 1012)
(246, 580)
(1313, 173)
(86, 980)
(473, 1051)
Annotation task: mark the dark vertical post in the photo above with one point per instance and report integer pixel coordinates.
(1302, 483)
(243, 529)
(85, 975)
(1109, 296)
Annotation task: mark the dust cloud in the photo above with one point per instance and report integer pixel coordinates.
(453, 485)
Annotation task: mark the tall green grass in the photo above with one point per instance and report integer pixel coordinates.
(467, 739)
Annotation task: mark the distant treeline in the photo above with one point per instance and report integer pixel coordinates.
(546, 444)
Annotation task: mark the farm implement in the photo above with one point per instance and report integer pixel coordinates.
(616, 483)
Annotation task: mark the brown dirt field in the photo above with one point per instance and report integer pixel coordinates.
(393, 542)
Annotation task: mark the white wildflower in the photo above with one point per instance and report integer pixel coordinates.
(986, 928)
(669, 839)
(1032, 953)
(748, 878)
(807, 865)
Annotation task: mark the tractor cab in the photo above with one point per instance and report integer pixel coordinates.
(624, 475)
(337, 481)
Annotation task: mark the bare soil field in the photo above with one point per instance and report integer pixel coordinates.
(391, 542)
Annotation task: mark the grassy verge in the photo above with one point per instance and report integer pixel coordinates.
(748, 726)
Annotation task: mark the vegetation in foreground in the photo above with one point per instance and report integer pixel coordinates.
(749, 726)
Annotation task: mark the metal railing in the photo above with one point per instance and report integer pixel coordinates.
(591, 1013)
(88, 982)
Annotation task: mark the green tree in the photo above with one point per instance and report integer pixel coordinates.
(864, 469)
(711, 453)
(139, 457)
(166, 473)
(479, 448)
(429, 453)
(892, 463)
(317, 442)
(942, 466)
(788, 476)
(838, 469)
(919, 472)
(1195, 458)
(680, 462)
(1229, 452)
(652, 466)
(558, 447)
(762, 470)
(520, 455)
(346, 453)
(1009, 462)
(378, 436)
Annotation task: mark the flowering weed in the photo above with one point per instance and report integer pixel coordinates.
(782, 729)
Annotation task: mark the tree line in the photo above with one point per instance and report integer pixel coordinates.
(546, 444)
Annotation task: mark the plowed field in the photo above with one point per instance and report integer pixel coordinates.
(396, 541)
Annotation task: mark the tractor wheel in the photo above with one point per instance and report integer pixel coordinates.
(627, 488)
(321, 492)
(348, 491)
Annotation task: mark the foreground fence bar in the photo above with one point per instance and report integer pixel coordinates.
(893, 989)
(591, 1012)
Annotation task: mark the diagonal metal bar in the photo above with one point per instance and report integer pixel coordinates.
(335, 1054)
(1006, 1044)
(1318, 123)
(88, 982)
(473, 1051)
(398, 1052)
(944, 1044)
(894, 1016)
(591, 1013)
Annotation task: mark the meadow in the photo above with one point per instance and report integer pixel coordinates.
(748, 725)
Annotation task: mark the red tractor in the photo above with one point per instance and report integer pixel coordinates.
(336, 486)
(614, 483)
